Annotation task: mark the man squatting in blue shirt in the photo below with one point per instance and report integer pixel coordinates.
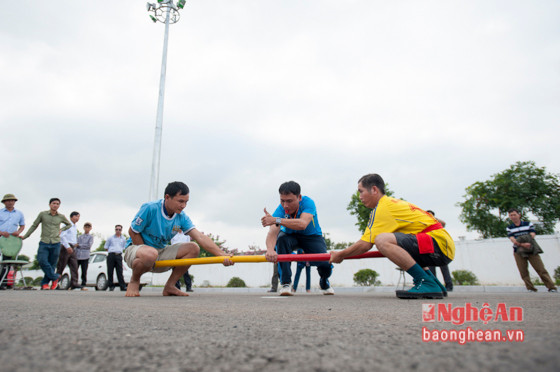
(151, 232)
(294, 225)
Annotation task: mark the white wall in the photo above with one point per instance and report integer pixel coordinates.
(491, 260)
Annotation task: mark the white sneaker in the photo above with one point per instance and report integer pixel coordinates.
(286, 290)
(328, 291)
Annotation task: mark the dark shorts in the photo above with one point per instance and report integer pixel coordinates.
(409, 243)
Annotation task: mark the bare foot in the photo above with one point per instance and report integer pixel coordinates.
(133, 289)
(173, 291)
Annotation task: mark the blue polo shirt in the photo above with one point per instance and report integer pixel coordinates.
(157, 229)
(306, 205)
(10, 221)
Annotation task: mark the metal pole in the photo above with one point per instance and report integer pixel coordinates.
(159, 119)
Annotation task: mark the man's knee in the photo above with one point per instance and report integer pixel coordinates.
(383, 240)
(189, 249)
(147, 255)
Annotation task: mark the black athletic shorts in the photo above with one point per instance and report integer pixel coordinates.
(409, 243)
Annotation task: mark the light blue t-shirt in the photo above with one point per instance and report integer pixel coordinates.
(306, 205)
(156, 228)
(10, 221)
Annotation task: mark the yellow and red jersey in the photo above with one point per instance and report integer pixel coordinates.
(393, 215)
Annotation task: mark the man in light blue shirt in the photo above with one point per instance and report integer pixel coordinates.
(11, 223)
(151, 232)
(115, 246)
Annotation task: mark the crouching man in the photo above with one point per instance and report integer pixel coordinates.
(151, 232)
(405, 234)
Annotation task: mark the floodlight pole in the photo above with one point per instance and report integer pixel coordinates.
(156, 156)
(164, 11)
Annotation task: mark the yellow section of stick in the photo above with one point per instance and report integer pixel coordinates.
(208, 260)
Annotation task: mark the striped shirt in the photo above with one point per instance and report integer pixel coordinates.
(524, 228)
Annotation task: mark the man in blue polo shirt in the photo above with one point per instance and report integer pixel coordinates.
(151, 232)
(294, 225)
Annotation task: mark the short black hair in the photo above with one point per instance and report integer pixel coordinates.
(290, 187)
(54, 199)
(176, 188)
(118, 226)
(74, 214)
(373, 179)
(514, 210)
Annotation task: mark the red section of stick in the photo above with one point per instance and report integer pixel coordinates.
(322, 257)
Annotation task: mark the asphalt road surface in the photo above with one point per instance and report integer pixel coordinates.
(102, 331)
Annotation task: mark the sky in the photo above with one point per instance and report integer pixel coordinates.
(431, 95)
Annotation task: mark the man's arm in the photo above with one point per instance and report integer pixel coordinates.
(291, 223)
(271, 238)
(359, 247)
(33, 227)
(64, 240)
(135, 237)
(19, 231)
(66, 222)
(208, 245)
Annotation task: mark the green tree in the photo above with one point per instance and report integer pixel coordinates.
(366, 278)
(236, 282)
(23, 257)
(101, 247)
(464, 277)
(362, 212)
(35, 264)
(524, 186)
(334, 246)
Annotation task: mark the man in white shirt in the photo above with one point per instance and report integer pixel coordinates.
(69, 242)
(115, 246)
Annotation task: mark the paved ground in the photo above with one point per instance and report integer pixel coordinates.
(101, 331)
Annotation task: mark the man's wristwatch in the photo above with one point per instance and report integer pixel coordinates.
(278, 221)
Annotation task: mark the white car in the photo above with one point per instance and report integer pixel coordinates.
(97, 274)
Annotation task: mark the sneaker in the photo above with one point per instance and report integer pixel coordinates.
(54, 284)
(553, 290)
(328, 292)
(286, 290)
(441, 286)
(423, 288)
(532, 290)
(45, 287)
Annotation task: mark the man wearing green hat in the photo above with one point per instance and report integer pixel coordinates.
(11, 223)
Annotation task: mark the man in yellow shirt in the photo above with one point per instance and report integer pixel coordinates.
(405, 234)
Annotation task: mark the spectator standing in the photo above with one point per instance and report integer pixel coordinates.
(525, 250)
(83, 249)
(69, 242)
(115, 246)
(12, 222)
(49, 245)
